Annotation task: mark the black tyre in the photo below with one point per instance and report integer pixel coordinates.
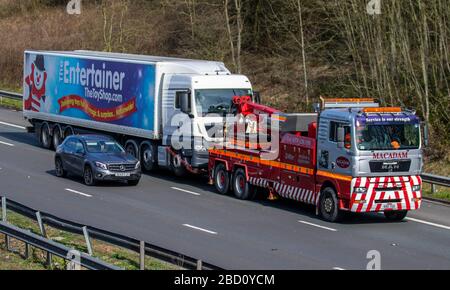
(130, 148)
(45, 136)
(176, 165)
(148, 157)
(68, 132)
(56, 137)
(59, 169)
(133, 182)
(221, 179)
(395, 215)
(329, 205)
(242, 189)
(88, 176)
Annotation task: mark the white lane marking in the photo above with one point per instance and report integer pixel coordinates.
(13, 125)
(200, 229)
(78, 192)
(427, 223)
(319, 226)
(338, 268)
(184, 190)
(7, 144)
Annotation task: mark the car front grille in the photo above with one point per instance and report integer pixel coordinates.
(121, 167)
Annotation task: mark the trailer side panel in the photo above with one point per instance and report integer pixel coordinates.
(103, 94)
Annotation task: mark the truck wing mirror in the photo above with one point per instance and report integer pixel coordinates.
(340, 137)
(257, 97)
(425, 134)
(185, 102)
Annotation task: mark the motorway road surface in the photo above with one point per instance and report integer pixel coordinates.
(187, 216)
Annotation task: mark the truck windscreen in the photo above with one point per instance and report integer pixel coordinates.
(388, 137)
(216, 101)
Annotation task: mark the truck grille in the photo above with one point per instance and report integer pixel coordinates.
(121, 167)
(390, 166)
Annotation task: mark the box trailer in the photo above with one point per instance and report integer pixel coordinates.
(162, 109)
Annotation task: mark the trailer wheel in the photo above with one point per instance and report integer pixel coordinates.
(56, 137)
(68, 131)
(329, 205)
(221, 179)
(395, 215)
(242, 189)
(131, 149)
(45, 136)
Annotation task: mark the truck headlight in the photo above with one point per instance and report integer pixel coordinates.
(138, 164)
(360, 190)
(416, 188)
(101, 165)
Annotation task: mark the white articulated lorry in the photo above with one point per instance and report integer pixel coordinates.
(145, 102)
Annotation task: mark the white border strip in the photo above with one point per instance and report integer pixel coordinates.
(184, 190)
(319, 226)
(78, 192)
(7, 144)
(200, 229)
(13, 125)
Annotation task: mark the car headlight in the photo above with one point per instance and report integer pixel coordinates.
(360, 190)
(138, 164)
(101, 165)
(416, 188)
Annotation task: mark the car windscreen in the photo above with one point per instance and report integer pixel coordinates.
(95, 146)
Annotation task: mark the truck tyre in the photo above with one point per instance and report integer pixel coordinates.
(176, 165)
(131, 148)
(45, 136)
(395, 215)
(88, 176)
(148, 157)
(56, 137)
(68, 131)
(329, 205)
(221, 179)
(59, 169)
(242, 189)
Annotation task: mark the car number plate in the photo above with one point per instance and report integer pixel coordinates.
(123, 174)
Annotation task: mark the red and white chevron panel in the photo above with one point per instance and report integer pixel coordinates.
(386, 193)
(287, 191)
(261, 182)
(295, 193)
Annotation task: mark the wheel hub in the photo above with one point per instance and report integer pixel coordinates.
(147, 156)
(328, 205)
(220, 179)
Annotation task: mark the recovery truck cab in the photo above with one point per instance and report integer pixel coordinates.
(351, 156)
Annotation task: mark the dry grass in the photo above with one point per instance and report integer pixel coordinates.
(121, 257)
(339, 62)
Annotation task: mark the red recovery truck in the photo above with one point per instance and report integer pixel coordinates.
(352, 155)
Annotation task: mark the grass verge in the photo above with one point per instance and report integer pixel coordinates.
(10, 103)
(15, 260)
